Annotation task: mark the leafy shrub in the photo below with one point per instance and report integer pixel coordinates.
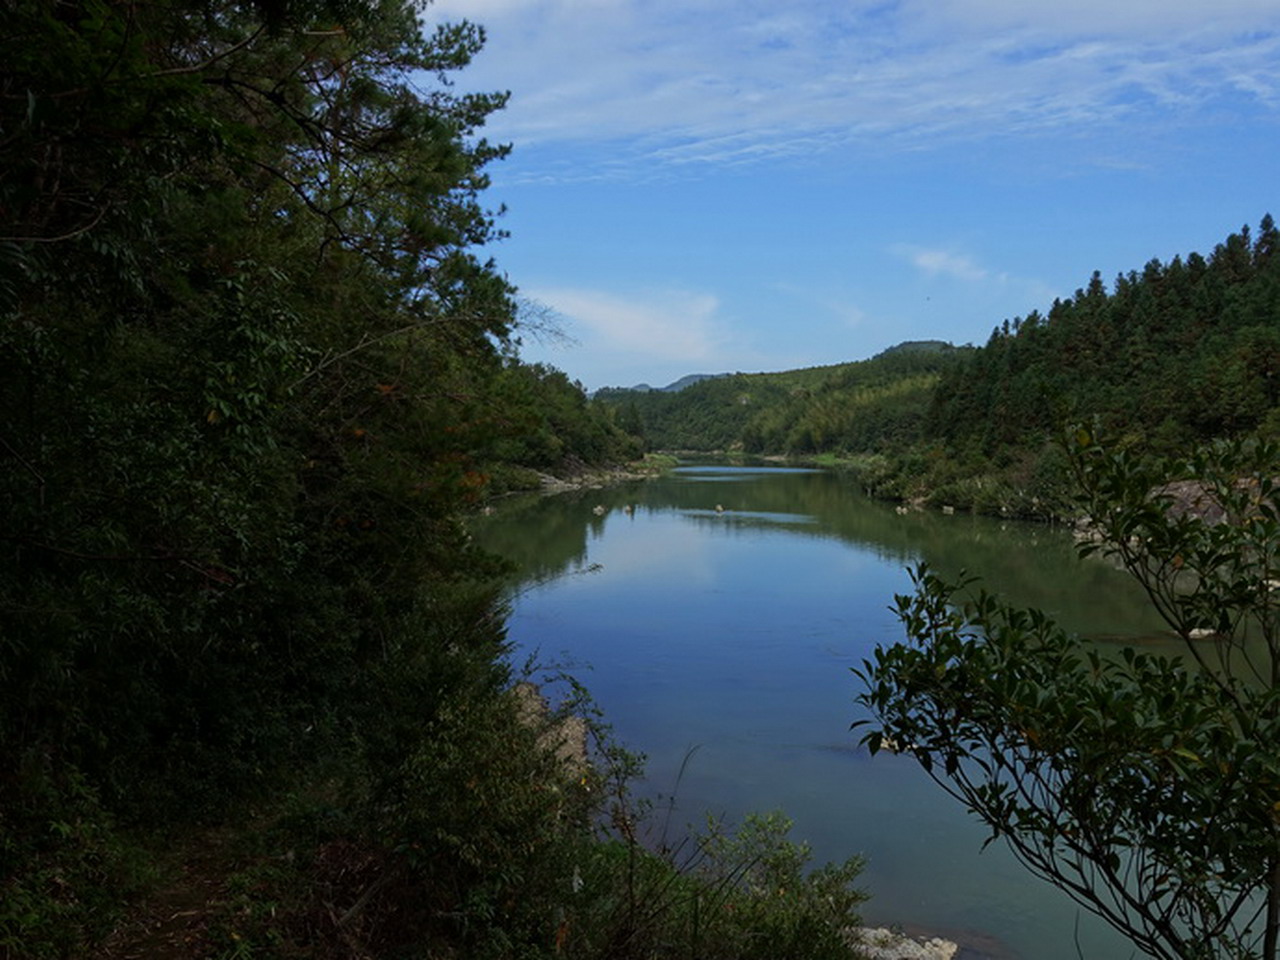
(489, 845)
(63, 865)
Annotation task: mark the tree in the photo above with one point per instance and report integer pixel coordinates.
(246, 343)
(1145, 786)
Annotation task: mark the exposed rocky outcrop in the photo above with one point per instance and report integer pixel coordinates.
(881, 943)
(566, 736)
(1193, 498)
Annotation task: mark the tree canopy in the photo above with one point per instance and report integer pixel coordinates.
(257, 376)
(256, 371)
(1178, 352)
(1144, 786)
(863, 406)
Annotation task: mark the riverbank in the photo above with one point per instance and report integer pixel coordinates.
(915, 480)
(597, 478)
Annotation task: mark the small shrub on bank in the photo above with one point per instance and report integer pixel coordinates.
(64, 865)
(493, 846)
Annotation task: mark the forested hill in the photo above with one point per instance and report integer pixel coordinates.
(1172, 355)
(865, 404)
(1166, 358)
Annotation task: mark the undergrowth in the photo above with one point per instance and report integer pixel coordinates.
(490, 844)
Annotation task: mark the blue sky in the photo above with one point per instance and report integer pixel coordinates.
(702, 186)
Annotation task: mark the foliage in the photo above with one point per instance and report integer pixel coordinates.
(1144, 786)
(255, 371)
(721, 895)
(780, 908)
(1177, 353)
(550, 421)
(852, 407)
(506, 851)
(1174, 355)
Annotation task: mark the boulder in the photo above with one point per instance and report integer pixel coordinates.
(881, 943)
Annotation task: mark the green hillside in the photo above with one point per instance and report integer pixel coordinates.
(1167, 358)
(1178, 353)
(862, 405)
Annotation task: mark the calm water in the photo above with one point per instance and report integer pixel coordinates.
(727, 638)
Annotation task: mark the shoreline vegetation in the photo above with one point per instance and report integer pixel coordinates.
(587, 478)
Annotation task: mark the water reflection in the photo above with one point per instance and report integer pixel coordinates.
(726, 608)
(1029, 564)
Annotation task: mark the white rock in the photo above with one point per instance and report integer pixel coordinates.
(879, 943)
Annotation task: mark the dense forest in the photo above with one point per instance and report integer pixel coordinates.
(862, 405)
(254, 698)
(1167, 358)
(1177, 354)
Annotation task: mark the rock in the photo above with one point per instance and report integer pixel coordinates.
(1193, 498)
(566, 737)
(892, 745)
(880, 943)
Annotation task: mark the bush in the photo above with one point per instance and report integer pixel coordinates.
(490, 845)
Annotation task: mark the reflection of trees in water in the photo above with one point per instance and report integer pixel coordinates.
(1030, 564)
(544, 537)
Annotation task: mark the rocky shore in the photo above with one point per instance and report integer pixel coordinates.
(586, 478)
(881, 943)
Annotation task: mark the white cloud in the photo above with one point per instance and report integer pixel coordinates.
(850, 315)
(659, 326)
(1143, 18)
(835, 304)
(946, 263)
(728, 81)
(949, 264)
(656, 335)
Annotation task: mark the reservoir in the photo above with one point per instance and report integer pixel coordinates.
(715, 614)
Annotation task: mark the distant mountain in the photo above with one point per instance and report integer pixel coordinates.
(690, 380)
(907, 346)
(685, 381)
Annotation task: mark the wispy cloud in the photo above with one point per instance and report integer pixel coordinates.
(631, 337)
(950, 264)
(946, 263)
(661, 326)
(672, 82)
(837, 304)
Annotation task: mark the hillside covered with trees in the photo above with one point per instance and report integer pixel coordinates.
(867, 404)
(1176, 354)
(1166, 358)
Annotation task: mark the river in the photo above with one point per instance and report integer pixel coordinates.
(714, 613)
